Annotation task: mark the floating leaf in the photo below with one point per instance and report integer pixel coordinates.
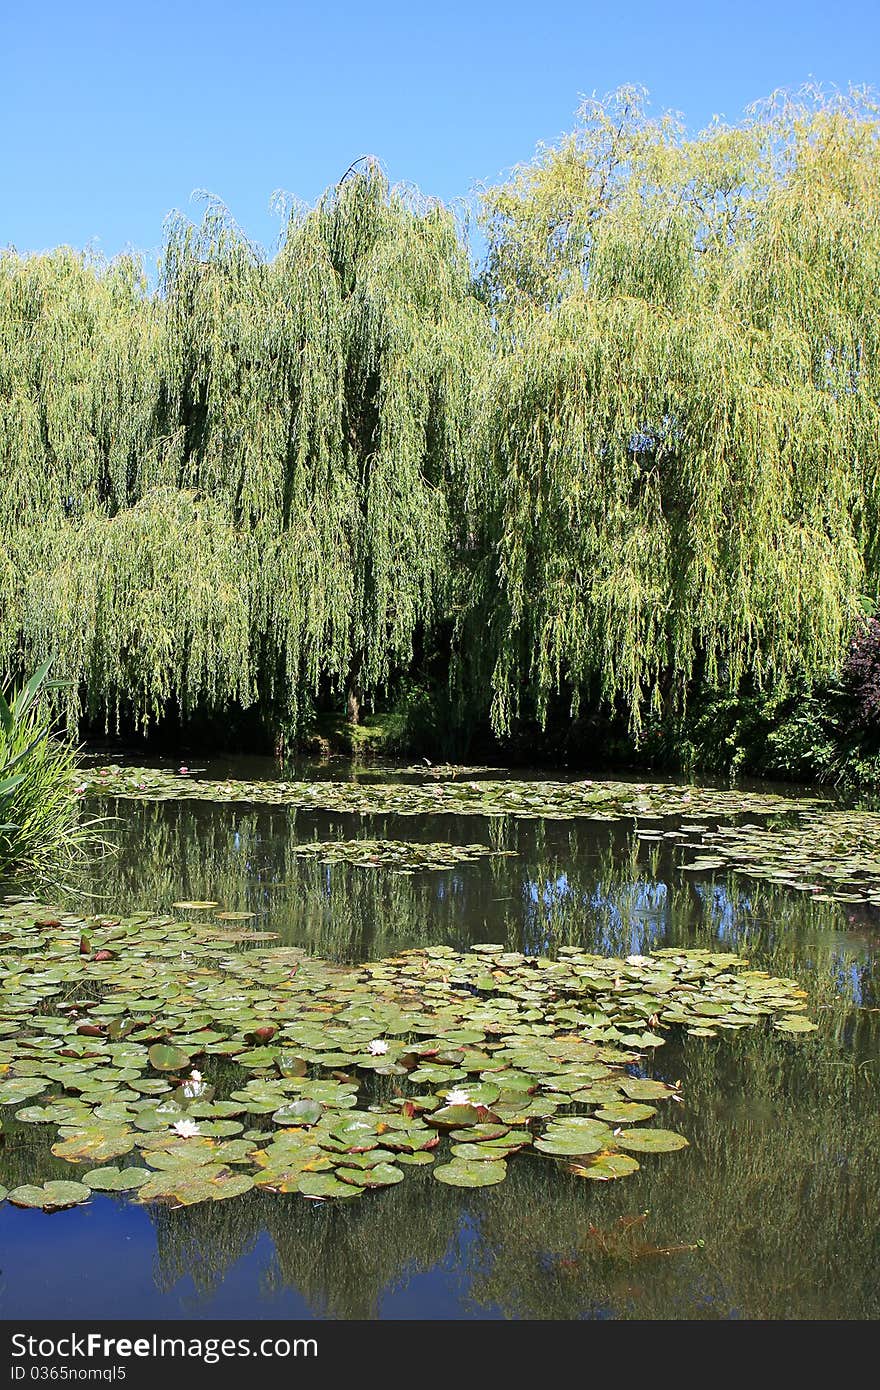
(605, 1167)
(116, 1179)
(460, 1173)
(642, 1088)
(299, 1112)
(625, 1112)
(325, 1185)
(795, 1023)
(52, 1196)
(165, 1057)
(94, 1145)
(381, 1175)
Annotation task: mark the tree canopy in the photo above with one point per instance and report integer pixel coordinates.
(636, 449)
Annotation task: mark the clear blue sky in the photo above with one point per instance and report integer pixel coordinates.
(112, 114)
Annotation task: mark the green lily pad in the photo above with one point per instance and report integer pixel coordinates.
(460, 1173)
(94, 1145)
(52, 1196)
(325, 1185)
(794, 1023)
(19, 1088)
(299, 1112)
(569, 1145)
(382, 1175)
(165, 1057)
(625, 1112)
(642, 1088)
(116, 1179)
(450, 1116)
(605, 1167)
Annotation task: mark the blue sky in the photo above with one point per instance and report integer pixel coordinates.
(111, 115)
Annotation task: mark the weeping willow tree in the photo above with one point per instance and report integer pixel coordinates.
(680, 420)
(636, 455)
(238, 487)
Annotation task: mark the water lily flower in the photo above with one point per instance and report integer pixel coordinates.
(80, 788)
(457, 1096)
(195, 1075)
(378, 1048)
(183, 770)
(187, 1129)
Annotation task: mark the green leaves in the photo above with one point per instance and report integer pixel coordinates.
(51, 1196)
(116, 1179)
(371, 1070)
(164, 1057)
(460, 1173)
(651, 1141)
(605, 1167)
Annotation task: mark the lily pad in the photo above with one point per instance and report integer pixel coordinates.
(116, 1179)
(605, 1167)
(165, 1057)
(299, 1112)
(324, 1185)
(625, 1112)
(52, 1196)
(795, 1023)
(381, 1175)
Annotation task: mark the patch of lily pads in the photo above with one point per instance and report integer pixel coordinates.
(400, 856)
(163, 1066)
(598, 800)
(834, 855)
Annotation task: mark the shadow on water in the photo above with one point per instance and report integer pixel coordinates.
(771, 1213)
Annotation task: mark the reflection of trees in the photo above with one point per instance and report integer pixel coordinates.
(340, 1258)
(780, 1183)
(589, 884)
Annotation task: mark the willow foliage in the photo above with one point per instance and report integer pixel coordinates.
(239, 486)
(637, 452)
(682, 410)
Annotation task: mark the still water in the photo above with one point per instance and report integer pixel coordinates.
(771, 1213)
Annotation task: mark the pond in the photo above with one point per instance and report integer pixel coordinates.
(771, 1210)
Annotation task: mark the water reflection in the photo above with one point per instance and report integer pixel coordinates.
(590, 884)
(771, 1213)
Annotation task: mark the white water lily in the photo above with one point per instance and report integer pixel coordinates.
(458, 1097)
(195, 1075)
(187, 1129)
(378, 1048)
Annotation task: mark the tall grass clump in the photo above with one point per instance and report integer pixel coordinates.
(40, 825)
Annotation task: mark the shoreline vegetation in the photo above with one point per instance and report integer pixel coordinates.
(41, 830)
(607, 497)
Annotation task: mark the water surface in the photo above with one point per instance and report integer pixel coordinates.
(771, 1213)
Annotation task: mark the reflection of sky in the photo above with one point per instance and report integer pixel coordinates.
(734, 920)
(636, 916)
(623, 917)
